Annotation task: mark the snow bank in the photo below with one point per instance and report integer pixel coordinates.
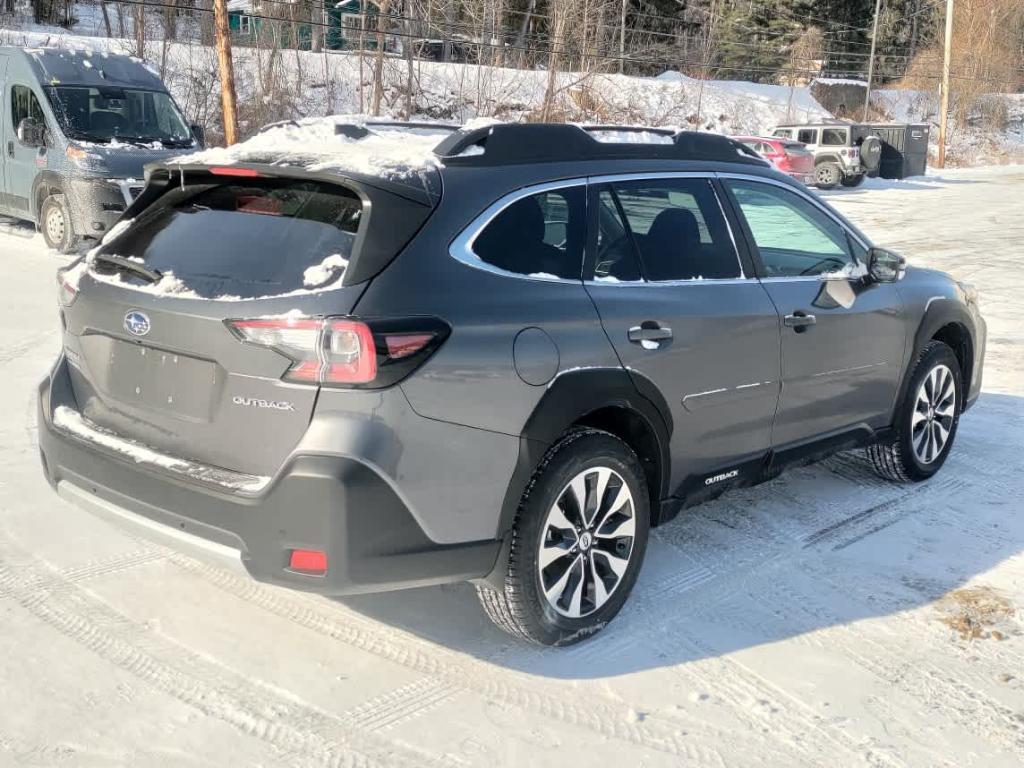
(306, 84)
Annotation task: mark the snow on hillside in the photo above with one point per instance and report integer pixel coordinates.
(993, 133)
(296, 84)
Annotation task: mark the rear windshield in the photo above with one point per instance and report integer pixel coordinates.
(247, 240)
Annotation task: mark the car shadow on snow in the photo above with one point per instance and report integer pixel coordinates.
(822, 546)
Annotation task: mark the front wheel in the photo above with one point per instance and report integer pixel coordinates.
(927, 420)
(55, 224)
(577, 543)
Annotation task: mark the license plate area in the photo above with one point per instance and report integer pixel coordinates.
(153, 379)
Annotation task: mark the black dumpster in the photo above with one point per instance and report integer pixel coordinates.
(904, 147)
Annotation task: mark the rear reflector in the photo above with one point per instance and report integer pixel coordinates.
(309, 561)
(228, 171)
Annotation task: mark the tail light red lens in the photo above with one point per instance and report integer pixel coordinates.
(345, 352)
(66, 292)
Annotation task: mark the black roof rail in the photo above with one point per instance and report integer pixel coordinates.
(516, 143)
(362, 130)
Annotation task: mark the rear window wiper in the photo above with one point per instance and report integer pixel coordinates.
(127, 265)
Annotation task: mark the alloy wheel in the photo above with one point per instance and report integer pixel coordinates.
(934, 412)
(586, 542)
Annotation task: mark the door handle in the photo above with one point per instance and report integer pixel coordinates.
(649, 331)
(800, 321)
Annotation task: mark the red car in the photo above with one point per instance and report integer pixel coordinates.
(790, 157)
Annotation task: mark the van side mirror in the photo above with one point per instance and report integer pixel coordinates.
(199, 133)
(885, 266)
(31, 132)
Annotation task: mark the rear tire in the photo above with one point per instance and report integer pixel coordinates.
(926, 421)
(854, 180)
(568, 575)
(55, 224)
(827, 175)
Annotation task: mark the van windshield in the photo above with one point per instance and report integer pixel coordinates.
(104, 115)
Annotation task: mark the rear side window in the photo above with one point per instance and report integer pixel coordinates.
(833, 137)
(247, 241)
(541, 235)
(677, 228)
(807, 136)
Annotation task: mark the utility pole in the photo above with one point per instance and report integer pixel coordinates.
(871, 61)
(622, 40)
(227, 71)
(944, 97)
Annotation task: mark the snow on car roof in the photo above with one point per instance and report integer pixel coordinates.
(62, 66)
(315, 145)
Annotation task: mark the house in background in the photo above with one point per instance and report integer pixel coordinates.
(348, 24)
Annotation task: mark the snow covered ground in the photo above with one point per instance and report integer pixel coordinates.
(824, 619)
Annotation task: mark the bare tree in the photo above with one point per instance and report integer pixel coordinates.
(378, 61)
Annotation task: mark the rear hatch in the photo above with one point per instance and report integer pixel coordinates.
(161, 320)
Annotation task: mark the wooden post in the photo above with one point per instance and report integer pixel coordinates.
(622, 40)
(871, 61)
(222, 35)
(944, 96)
(139, 13)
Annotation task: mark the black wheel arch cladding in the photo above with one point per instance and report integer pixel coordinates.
(590, 398)
(949, 322)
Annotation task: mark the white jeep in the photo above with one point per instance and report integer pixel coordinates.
(843, 154)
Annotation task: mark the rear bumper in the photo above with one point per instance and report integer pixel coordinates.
(803, 178)
(329, 503)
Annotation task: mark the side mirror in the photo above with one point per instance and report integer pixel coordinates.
(31, 132)
(199, 133)
(885, 266)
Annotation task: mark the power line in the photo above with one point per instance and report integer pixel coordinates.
(597, 53)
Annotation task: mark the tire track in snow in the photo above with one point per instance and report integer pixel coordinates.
(931, 686)
(67, 578)
(401, 705)
(449, 668)
(259, 710)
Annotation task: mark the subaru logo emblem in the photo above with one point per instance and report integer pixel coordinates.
(136, 323)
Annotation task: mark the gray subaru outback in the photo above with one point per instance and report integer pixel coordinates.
(503, 364)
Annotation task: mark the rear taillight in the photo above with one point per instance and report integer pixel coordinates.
(66, 292)
(346, 352)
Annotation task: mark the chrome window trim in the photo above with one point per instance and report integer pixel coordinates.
(461, 248)
(664, 175)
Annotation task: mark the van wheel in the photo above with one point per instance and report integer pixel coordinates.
(827, 175)
(577, 542)
(55, 224)
(926, 421)
(854, 180)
